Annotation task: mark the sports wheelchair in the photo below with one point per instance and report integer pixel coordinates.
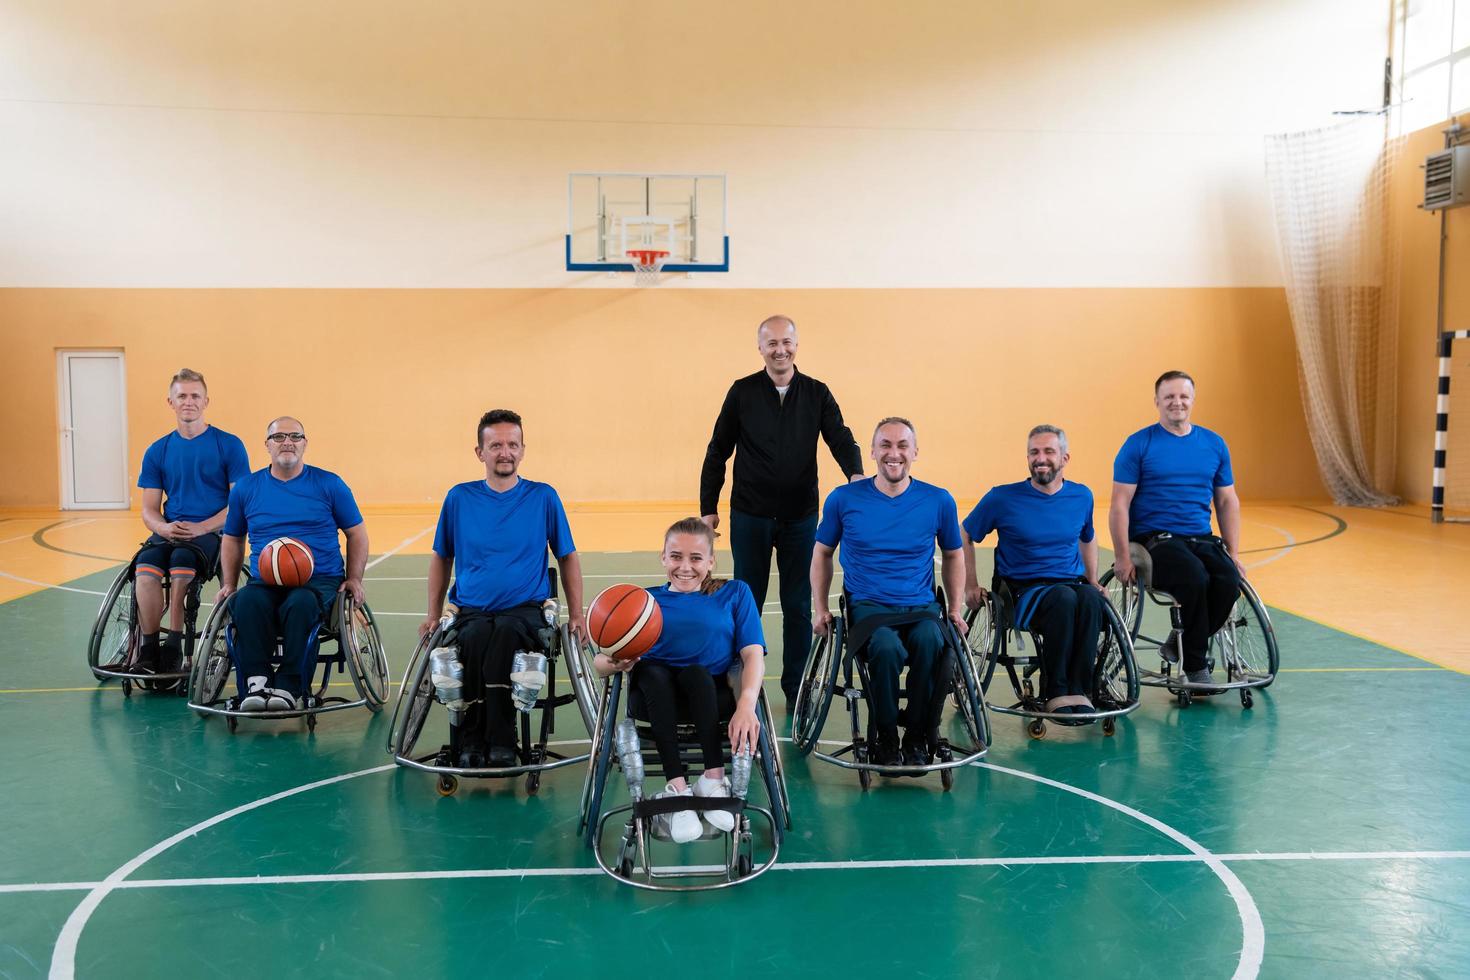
(417, 694)
(1245, 644)
(359, 651)
(112, 650)
(1114, 677)
(632, 862)
(833, 653)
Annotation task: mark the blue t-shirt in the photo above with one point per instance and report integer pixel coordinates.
(1038, 531)
(1176, 478)
(498, 542)
(707, 630)
(887, 552)
(194, 474)
(309, 508)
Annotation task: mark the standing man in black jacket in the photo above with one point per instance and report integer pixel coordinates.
(774, 417)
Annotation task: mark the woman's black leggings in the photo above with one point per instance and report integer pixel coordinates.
(705, 700)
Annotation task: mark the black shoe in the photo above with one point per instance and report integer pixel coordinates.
(885, 749)
(147, 662)
(916, 750)
(501, 757)
(170, 656)
(472, 757)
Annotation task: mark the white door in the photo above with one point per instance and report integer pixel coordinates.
(94, 430)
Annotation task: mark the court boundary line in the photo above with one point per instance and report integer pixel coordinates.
(897, 864)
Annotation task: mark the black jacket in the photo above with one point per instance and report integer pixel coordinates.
(776, 466)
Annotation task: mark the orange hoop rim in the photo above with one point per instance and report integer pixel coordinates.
(647, 256)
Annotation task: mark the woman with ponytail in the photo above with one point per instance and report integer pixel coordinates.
(710, 626)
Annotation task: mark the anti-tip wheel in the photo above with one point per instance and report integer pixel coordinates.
(447, 785)
(1036, 728)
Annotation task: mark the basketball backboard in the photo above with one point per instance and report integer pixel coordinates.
(611, 214)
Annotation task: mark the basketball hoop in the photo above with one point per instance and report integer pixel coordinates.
(647, 264)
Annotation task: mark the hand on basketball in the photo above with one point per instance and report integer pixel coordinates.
(743, 729)
(975, 596)
(353, 587)
(605, 665)
(822, 622)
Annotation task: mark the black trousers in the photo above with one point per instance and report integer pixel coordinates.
(751, 541)
(1203, 580)
(668, 694)
(1067, 616)
(488, 641)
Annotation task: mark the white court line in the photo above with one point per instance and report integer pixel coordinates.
(401, 545)
(49, 585)
(1290, 546)
(897, 864)
(18, 537)
(1253, 945)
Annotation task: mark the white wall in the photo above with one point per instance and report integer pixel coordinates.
(362, 143)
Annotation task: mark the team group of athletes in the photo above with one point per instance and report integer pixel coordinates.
(200, 500)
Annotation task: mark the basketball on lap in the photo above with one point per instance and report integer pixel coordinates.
(285, 562)
(625, 621)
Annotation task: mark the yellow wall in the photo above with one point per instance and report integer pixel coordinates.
(620, 388)
(1419, 233)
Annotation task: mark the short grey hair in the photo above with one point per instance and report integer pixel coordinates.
(1055, 430)
(897, 420)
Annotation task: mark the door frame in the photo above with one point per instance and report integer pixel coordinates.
(63, 389)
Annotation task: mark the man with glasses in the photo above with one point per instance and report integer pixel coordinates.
(186, 480)
(288, 499)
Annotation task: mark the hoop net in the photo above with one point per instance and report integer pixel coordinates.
(647, 264)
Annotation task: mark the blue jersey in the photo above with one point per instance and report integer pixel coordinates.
(497, 542)
(194, 474)
(1176, 478)
(887, 552)
(706, 630)
(309, 508)
(1038, 531)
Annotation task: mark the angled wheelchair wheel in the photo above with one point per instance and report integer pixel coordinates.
(984, 642)
(1246, 644)
(415, 694)
(970, 698)
(1115, 675)
(211, 668)
(818, 680)
(585, 683)
(367, 663)
(114, 641)
(1126, 598)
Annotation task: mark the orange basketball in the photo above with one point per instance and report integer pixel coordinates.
(286, 562)
(625, 621)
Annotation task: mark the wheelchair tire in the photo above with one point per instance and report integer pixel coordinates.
(362, 648)
(969, 696)
(447, 785)
(818, 681)
(1246, 644)
(1115, 674)
(1126, 598)
(415, 694)
(211, 668)
(984, 642)
(584, 680)
(114, 636)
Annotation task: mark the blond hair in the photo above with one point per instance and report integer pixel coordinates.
(695, 525)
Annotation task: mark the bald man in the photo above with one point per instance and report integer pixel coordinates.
(292, 500)
(771, 421)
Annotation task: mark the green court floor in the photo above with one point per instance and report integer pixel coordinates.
(1325, 832)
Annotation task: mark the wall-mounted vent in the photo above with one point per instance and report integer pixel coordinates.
(1447, 179)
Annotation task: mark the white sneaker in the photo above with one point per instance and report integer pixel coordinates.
(278, 700)
(256, 694)
(682, 826)
(706, 788)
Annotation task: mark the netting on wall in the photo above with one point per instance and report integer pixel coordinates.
(1330, 191)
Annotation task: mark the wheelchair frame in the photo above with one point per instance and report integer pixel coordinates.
(1127, 600)
(417, 694)
(990, 628)
(819, 684)
(359, 652)
(124, 588)
(634, 865)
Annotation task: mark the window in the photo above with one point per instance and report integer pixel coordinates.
(1431, 60)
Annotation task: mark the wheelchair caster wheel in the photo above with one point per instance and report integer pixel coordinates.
(1185, 699)
(946, 779)
(1110, 725)
(127, 688)
(447, 785)
(311, 723)
(743, 866)
(533, 782)
(1246, 700)
(1036, 729)
(233, 722)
